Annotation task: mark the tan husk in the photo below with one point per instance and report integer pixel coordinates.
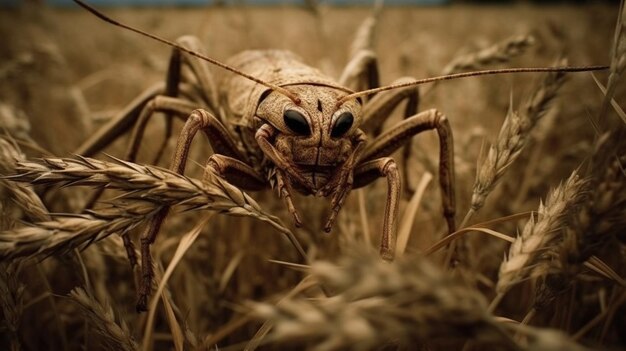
(146, 190)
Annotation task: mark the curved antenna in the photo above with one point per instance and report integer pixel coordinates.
(471, 74)
(105, 18)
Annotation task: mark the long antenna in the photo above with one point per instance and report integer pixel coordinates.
(105, 18)
(471, 74)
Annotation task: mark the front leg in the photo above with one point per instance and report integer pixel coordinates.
(366, 173)
(341, 183)
(264, 137)
(220, 139)
(394, 138)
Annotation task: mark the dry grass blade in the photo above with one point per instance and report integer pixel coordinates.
(114, 335)
(498, 53)
(539, 236)
(146, 190)
(406, 302)
(406, 223)
(513, 137)
(183, 246)
(618, 62)
(618, 109)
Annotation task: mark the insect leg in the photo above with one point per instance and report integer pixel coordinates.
(234, 171)
(366, 173)
(377, 110)
(361, 72)
(394, 138)
(172, 106)
(175, 86)
(119, 124)
(221, 140)
(342, 184)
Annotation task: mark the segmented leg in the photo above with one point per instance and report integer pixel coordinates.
(264, 137)
(201, 84)
(361, 72)
(119, 124)
(170, 105)
(221, 142)
(394, 138)
(341, 186)
(366, 173)
(235, 172)
(377, 110)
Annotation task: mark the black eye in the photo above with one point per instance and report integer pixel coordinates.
(342, 125)
(296, 122)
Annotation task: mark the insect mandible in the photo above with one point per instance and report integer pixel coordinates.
(280, 123)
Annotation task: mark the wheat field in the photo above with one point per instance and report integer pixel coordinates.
(537, 263)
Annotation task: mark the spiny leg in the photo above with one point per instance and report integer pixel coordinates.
(244, 177)
(221, 142)
(399, 135)
(366, 173)
(341, 185)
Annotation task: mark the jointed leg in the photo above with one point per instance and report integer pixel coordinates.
(394, 138)
(361, 73)
(235, 172)
(342, 184)
(220, 140)
(366, 173)
(175, 86)
(377, 110)
(178, 107)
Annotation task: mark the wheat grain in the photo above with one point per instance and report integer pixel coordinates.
(146, 190)
(537, 241)
(601, 217)
(23, 195)
(498, 53)
(513, 137)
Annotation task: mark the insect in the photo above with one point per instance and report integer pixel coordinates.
(280, 123)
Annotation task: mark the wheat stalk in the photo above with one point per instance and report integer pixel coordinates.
(512, 138)
(115, 336)
(498, 53)
(530, 250)
(618, 63)
(146, 189)
(600, 217)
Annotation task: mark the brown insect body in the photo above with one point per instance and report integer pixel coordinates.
(317, 156)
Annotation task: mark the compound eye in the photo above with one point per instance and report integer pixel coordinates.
(342, 124)
(296, 122)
